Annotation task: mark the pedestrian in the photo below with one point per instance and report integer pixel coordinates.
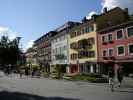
(110, 76)
(26, 72)
(20, 73)
(120, 76)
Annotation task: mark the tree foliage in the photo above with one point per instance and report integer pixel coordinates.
(9, 51)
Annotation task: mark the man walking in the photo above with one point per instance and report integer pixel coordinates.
(110, 76)
(120, 75)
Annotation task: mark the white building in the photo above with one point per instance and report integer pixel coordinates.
(59, 47)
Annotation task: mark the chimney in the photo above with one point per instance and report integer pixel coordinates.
(126, 10)
(126, 13)
(105, 10)
(84, 20)
(93, 17)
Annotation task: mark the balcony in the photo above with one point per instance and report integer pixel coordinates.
(60, 57)
(83, 44)
(111, 57)
(74, 45)
(74, 56)
(82, 54)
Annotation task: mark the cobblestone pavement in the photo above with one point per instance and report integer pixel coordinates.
(66, 89)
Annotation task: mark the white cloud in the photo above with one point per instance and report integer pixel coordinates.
(8, 32)
(3, 29)
(90, 14)
(118, 3)
(29, 44)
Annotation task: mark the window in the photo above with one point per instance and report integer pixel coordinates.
(56, 40)
(64, 47)
(91, 28)
(91, 53)
(78, 33)
(130, 31)
(104, 39)
(63, 37)
(119, 34)
(83, 30)
(73, 34)
(87, 29)
(53, 51)
(83, 54)
(74, 56)
(91, 41)
(110, 37)
(130, 48)
(60, 50)
(120, 50)
(105, 53)
(110, 52)
(56, 51)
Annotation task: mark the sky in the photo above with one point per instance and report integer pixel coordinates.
(30, 19)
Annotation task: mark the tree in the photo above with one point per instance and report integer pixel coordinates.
(9, 52)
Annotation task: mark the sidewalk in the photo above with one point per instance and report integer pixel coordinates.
(126, 83)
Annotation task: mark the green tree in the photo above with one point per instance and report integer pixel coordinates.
(9, 51)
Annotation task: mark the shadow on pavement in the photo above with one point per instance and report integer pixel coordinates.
(4, 95)
(126, 91)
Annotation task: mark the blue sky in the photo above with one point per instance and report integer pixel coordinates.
(33, 18)
(30, 19)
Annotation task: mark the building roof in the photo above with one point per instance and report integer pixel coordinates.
(46, 35)
(105, 19)
(65, 28)
(127, 23)
(57, 31)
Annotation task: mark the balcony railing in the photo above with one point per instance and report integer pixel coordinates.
(83, 44)
(60, 57)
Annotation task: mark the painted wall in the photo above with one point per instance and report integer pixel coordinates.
(57, 43)
(124, 41)
(80, 37)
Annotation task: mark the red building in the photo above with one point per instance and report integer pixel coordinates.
(115, 47)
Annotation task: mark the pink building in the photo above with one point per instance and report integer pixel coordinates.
(115, 47)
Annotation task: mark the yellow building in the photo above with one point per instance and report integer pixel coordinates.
(83, 48)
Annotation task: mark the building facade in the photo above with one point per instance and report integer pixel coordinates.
(83, 51)
(59, 47)
(116, 47)
(43, 45)
(31, 55)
